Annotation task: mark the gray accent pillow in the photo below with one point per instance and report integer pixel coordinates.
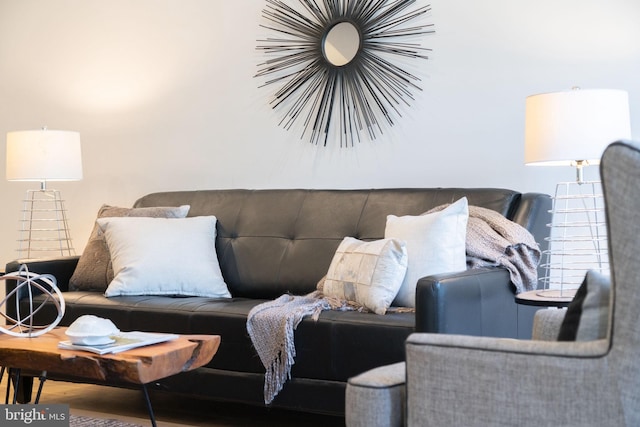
(587, 316)
(94, 271)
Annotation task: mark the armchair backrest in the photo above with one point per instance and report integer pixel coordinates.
(620, 173)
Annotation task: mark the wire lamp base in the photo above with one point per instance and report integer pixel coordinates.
(577, 240)
(44, 228)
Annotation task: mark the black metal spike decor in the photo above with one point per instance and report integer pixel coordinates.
(359, 91)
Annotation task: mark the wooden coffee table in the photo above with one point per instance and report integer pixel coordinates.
(139, 366)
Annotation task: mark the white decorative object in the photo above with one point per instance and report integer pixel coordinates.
(28, 282)
(91, 330)
(572, 128)
(42, 156)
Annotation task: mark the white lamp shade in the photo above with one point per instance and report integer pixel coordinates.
(44, 155)
(564, 127)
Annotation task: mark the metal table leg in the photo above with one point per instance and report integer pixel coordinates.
(149, 408)
(16, 384)
(6, 397)
(43, 378)
(13, 377)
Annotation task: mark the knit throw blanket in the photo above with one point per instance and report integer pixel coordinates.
(491, 240)
(270, 326)
(494, 240)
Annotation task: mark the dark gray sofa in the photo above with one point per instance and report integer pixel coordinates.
(271, 242)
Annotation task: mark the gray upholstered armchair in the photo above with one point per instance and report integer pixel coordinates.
(455, 380)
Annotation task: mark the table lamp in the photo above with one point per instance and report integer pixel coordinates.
(572, 128)
(44, 155)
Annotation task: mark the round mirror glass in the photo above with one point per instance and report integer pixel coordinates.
(341, 44)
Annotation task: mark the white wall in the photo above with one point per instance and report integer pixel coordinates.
(163, 94)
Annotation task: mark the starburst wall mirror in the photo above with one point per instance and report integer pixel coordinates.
(337, 65)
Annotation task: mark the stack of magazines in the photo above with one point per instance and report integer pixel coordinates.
(120, 342)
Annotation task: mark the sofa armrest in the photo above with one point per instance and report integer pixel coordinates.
(61, 268)
(534, 214)
(478, 301)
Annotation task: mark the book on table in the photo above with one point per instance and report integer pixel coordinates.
(120, 342)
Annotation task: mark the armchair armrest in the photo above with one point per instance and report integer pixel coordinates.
(463, 380)
(546, 324)
(476, 301)
(570, 349)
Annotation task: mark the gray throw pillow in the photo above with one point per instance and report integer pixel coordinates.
(587, 316)
(94, 271)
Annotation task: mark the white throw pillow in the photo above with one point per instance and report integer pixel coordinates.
(369, 273)
(163, 256)
(94, 270)
(435, 244)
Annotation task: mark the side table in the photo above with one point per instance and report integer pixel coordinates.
(527, 303)
(537, 298)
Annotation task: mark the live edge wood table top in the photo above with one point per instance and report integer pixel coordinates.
(140, 365)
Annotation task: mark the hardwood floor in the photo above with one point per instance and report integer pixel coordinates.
(170, 410)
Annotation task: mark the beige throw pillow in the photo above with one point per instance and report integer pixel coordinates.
(94, 271)
(369, 273)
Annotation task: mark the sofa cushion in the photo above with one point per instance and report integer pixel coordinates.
(338, 346)
(94, 270)
(587, 316)
(368, 273)
(161, 256)
(435, 244)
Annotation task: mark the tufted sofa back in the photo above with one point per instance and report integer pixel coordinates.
(272, 242)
